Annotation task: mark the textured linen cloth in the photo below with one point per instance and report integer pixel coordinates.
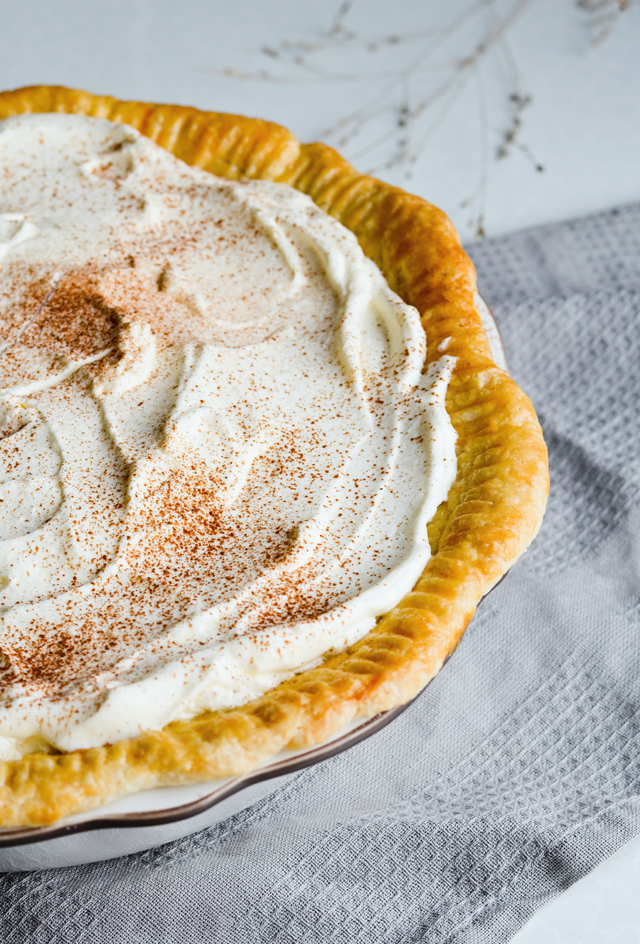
(518, 769)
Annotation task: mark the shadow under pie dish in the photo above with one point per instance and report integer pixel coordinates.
(117, 677)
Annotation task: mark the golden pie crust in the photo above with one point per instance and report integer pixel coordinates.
(493, 511)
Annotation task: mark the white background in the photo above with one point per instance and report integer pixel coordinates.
(582, 125)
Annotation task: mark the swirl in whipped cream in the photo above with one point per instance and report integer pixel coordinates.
(219, 451)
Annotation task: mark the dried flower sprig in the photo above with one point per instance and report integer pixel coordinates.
(406, 103)
(603, 16)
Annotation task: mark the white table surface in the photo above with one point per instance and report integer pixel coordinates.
(583, 125)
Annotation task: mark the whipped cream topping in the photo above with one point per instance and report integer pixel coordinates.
(218, 448)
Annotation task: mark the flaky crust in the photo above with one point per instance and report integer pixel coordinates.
(493, 511)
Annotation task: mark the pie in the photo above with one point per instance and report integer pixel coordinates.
(242, 504)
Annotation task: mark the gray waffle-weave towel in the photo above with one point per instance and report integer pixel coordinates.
(518, 769)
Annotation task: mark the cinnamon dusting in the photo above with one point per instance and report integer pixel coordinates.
(190, 486)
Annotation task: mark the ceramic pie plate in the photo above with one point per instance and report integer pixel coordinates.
(154, 817)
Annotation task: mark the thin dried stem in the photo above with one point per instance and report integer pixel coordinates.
(410, 101)
(603, 16)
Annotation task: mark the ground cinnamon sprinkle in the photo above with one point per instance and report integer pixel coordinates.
(73, 646)
(207, 462)
(182, 544)
(75, 323)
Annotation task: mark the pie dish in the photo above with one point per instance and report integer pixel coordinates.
(492, 511)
